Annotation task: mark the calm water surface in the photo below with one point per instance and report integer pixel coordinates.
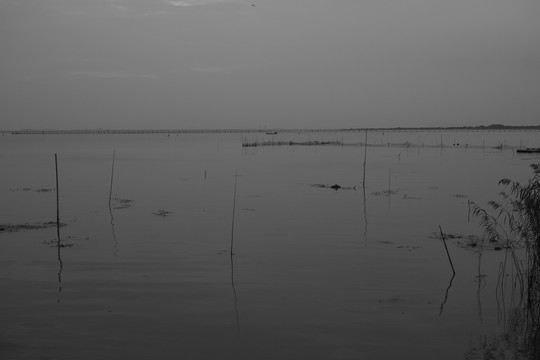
(317, 273)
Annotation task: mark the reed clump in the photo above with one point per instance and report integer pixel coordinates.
(516, 219)
(514, 222)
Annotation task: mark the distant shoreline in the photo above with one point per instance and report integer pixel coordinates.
(495, 127)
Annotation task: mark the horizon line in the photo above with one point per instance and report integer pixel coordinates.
(266, 130)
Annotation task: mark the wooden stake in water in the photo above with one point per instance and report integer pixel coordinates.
(365, 157)
(57, 193)
(233, 211)
(112, 177)
(447, 253)
(58, 244)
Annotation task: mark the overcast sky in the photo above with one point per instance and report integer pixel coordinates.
(144, 64)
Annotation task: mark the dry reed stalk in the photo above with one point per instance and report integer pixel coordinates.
(112, 177)
(233, 211)
(57, 195)
(58, 243)
(365, 157)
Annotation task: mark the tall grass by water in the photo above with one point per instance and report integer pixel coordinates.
(514, 223)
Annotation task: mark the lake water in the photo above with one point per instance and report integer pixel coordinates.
(317, 273)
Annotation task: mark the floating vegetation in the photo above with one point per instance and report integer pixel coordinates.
(119, 203)
(394, 300)
(385, 192)
(472, 242)
(26, 189)
(9, 228)
(254, 143)
(408, 247)
(54, 243)
(408, 197)
(459, 196)
(162, 213)
(334, 187)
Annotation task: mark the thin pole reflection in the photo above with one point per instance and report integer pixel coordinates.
(365, 215)
(58, 242)
(389, 191)
(115, 241)
(235, 294)
(60, 262)
(232, 254)
(446, 294)
(113, 230)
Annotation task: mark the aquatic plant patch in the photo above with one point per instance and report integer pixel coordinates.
(9, 228)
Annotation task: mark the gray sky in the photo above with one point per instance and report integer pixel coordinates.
(282, 63)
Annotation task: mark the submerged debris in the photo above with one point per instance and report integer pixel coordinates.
(9, 228)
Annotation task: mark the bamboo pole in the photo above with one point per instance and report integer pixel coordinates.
(112, 177)
(447, 253)
(57, 192)
(365, 157)
(233, 211)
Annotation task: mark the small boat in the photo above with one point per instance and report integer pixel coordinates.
(528, 150)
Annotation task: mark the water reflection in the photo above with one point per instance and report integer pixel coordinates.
(60, 262)
(232, 254)
(365, 215)
(518, 301)
(234, 293)
(113, 231)
(58, 242)
(441, 309)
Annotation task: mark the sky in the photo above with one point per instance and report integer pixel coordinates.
(202, 64)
